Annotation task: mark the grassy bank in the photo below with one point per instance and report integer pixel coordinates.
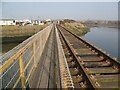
(77, 30)
(75, 27)
(16, 31)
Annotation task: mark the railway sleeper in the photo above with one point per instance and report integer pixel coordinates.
(87, 55)
(96, 64)
(106, 81)
(101, 70)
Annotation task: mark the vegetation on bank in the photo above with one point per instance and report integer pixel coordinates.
(15, 31)
(75, 27)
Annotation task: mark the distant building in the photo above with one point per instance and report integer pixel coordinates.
(23, 22)
(37, 22)
(48, 20)
(41, 23)
(7, 22)
(20, 22)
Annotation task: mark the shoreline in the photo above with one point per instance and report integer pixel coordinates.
(100, 26)
(103, 27)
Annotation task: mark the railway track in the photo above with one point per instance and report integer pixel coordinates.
(89, 66)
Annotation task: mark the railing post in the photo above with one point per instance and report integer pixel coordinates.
(34, 53)
(22, 76)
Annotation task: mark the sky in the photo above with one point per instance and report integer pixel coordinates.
(60, 10)
(60, 0)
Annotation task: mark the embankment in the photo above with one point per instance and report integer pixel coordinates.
(75, 27)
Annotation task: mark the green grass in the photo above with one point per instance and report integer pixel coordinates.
(12, 31)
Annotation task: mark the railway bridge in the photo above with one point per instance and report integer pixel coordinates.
(58, 58)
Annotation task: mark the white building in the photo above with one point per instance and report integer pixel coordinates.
(48, 20)
(23, 22)
(7, 22)
(41, 23)
(20, 22)
(37, 22)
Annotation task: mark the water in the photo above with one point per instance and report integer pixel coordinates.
(11, 42)
(8, 46)
(104, 38)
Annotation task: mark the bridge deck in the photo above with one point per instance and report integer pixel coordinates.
(44, 76)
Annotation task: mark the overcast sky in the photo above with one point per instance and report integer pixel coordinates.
(60, 10)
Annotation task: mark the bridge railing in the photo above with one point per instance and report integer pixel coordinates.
(18, 64)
